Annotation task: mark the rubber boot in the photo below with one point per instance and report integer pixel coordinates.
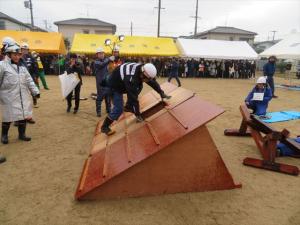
(4, 133)
(22, 130)
(105, 126)
(2, 159)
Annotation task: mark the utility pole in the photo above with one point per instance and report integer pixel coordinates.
(31, 13)
(131, 28)
(273, 31)
(158, 22)
(28, 5)
(46, 24)
(196, 19)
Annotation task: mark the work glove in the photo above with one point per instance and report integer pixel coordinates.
(163, 95)
(112, 58)
(139, 119)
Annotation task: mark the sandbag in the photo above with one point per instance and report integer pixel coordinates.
(68, 83)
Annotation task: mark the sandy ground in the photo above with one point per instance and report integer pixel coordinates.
(38, 181)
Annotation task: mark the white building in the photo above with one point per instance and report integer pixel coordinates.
(84, 25)
(9, 23)
(227, 34)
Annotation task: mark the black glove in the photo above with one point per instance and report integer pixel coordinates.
(163, 95)
(139, 119)
(37, 96)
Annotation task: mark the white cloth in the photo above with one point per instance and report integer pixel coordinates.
(16, 88)
(68, 83)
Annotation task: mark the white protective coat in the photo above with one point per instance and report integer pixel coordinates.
(15, 92)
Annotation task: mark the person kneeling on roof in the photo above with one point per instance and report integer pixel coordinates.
(128, 78)
(258, 99)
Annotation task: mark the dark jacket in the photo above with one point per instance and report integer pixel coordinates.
(259, 107)
(100, 69)
(174, 68)
(126, 78)
(269, 69)
(31, 64)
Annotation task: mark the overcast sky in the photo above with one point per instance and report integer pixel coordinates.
(260, 16)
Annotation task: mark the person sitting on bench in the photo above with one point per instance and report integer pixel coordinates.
(258, 99)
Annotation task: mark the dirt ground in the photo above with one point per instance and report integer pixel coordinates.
(38, 181)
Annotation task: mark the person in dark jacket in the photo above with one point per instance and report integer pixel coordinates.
(31, 64)
(101, 72)
(258, 99)
(269, 70)
(128, 79)
(74, 67)
(174, 71)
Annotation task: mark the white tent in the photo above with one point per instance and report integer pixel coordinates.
(288, 48)
(215, 49)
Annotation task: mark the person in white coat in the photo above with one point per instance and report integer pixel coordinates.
(16, 87)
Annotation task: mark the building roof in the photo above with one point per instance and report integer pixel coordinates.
(85, 22)
(226, 30)
(36, 28)
(267, 42)
(4, 16)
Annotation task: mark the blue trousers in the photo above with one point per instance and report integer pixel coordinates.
(117, 110)
(103, 93)
(270, 81)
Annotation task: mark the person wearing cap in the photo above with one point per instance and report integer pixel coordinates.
(269, 71)
(74, 67)
(30, 63)
(16, 85)
(101, 72)
(258, 99)
(127, 79)
(117, 60)
(41, 73)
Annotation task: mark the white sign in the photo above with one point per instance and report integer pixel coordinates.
(258, 96)
(68, 83)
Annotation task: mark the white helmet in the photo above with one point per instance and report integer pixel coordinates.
(24, 46)
(100, 49)
(8, 41)
(116, 48)
(261, 80)
(149, 70)
(13, 49)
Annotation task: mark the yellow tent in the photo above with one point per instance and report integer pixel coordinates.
(41, 42)
(131, 46)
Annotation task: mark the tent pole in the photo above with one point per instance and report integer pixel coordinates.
(58, 64)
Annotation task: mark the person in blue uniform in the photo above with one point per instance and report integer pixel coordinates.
(269, 71)
(259, 97)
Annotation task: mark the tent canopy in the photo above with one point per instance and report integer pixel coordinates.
(41, 42)
(288, 48)
(215, 49)
(131, 46)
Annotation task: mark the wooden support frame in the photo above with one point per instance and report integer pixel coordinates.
(266, 139)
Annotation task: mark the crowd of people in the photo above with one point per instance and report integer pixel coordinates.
(242, 69)
(20, 71)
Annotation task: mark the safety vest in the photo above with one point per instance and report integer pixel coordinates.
(40, 64)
